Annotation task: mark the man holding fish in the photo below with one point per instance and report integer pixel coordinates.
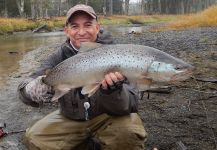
(102, 115)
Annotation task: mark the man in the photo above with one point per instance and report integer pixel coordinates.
(107, 120)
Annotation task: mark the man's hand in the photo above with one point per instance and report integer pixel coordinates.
(111, 79)
(38, 91)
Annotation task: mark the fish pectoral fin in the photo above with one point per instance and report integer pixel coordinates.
(143, 84)
(90, 89)
(59, 92)
(88, 46)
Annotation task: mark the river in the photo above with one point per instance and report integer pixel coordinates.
(13, 47)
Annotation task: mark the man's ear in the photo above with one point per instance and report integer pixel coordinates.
(66, 30)
(98, 27)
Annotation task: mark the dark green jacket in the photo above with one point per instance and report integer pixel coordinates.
(122, 100)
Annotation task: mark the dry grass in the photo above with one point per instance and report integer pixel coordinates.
(9, 25)
(206, 18)
(120, 19)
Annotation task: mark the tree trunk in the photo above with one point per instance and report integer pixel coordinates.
(40, 9)
(104, 8)
(86, 2)
(127, 7)
(150, 6)
(159, 6)
(142, 6)
(33, 9)
(59, 8)
(182, 7)
(46, 13)
(111, 7)
(46, 5)
(20, 6)
(69, 4)
(6, 9)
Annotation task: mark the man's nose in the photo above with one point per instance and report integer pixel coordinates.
(81, 31)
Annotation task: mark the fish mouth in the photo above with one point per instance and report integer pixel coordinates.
(182, 75)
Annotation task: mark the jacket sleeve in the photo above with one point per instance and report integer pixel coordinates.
(121, 101)
(52, 61)
(47, 64)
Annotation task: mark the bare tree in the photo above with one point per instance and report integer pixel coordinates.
(111, 7)
(59, 8)
(33, 9)
(142, 6)
(45, 8)
(20, 6)
(40, 9)
(6, 9)
(127, 2)
(104, 8)
(159, 6)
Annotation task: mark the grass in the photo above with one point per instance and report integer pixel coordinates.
(10, 25)
(120, 19)
(206, 18)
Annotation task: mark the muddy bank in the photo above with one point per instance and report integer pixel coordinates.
(187, 116)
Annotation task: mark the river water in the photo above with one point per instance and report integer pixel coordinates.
(13, 47)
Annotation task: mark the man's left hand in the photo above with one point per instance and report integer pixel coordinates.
(111, 79)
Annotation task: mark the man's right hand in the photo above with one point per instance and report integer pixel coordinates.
(38, 91)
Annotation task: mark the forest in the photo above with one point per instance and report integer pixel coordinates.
(35, 9)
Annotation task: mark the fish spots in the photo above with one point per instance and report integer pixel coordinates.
(130, 59)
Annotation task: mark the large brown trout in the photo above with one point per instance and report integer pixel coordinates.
(145, 66)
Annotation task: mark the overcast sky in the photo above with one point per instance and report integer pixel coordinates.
(134, 1)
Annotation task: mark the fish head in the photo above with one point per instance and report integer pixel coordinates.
(182, 71)
(166, 68)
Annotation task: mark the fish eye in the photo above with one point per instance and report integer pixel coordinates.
(178, 68)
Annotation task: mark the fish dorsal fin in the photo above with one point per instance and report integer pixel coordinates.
(88, 46)
(90, 89)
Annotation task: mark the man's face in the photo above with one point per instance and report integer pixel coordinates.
(82, 28)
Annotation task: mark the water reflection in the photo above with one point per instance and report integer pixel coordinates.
(13, 47)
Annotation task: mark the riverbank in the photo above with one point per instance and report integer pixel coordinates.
(206, 18)
(186, 116)
(11, 25)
